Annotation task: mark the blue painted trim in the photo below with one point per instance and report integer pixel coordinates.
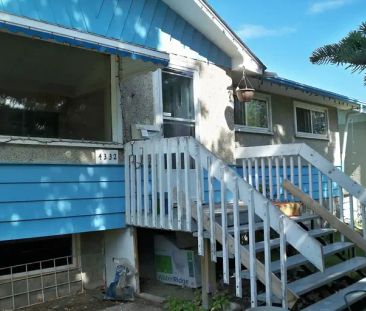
(80, 43)
(314, 90)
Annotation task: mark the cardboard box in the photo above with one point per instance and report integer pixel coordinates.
(174, 265)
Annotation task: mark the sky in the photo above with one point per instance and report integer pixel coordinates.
(283, 34)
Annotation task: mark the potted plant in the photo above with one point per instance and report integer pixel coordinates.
(245, 92)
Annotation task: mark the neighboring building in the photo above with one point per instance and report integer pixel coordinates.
(78, 82)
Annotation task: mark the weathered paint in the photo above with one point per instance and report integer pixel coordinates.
(148, 23)
(44, 200)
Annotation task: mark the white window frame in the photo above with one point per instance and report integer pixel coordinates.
(254, 129)
(158, 96)
(115, 121)
(298, 104)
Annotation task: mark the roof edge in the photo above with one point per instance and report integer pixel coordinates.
(315, 90)
(232, 32)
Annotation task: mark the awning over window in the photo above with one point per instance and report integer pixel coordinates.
(81, 40)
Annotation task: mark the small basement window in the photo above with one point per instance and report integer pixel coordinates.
(40, 253)
(311, 121)
(253, 116)
(49, 90)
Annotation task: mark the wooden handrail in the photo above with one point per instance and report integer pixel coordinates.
(326, 215)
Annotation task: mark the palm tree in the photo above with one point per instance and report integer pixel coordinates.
(350, 51)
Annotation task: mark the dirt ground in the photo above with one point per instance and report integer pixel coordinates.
(93, 301)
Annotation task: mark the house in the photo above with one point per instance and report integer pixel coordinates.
(88, 91)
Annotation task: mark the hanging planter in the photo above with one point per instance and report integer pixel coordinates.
(245, 93)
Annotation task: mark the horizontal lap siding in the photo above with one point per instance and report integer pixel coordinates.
(305, 181)
(43, 200)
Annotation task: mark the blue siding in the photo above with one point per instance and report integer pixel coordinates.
(305, 181)
(139, 22)
(44, 200)
(305, 184)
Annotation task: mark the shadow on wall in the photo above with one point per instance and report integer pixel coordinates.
(223, 146)
(217, 112)
(229, 117)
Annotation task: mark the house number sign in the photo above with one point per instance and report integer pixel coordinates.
(103, 156)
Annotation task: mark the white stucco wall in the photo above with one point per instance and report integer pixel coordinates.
(142, 104)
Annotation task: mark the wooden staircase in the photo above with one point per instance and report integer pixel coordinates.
(177, 184)
(299, 287)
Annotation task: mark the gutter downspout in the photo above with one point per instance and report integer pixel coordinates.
(349, 115)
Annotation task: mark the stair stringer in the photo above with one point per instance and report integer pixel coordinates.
(244, 256)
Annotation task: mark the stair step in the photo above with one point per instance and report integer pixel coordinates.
(330, 274)
(305, 217)
(229, 208)
(259, 225)
(318, 279)
(276, 242)
(336, 301)
(298, 260)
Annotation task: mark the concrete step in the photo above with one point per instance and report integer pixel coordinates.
(336, 301)
(299, 260)
(329, 275)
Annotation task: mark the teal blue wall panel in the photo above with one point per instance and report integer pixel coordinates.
(26, 173)
(23, 211)
(57, 226)
(43, 200)
(139, 22)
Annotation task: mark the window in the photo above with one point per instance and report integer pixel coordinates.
(311, 121)
(178, 104)
(53, 91)
(253, 116)
(20, 252)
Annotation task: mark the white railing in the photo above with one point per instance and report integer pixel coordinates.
(170, 181)
(263, 167)
(33, 283)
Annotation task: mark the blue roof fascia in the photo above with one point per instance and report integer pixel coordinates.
(48, 36)
(314, 90)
